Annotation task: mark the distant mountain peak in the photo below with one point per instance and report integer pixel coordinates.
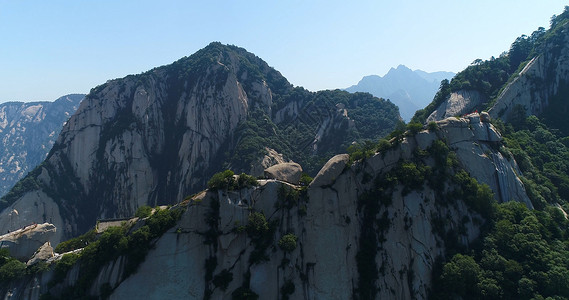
(403, 67)
(409, 90)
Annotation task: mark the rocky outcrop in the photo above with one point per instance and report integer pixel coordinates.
(24, 242)
(288, 172)
(476, 144)
(407, 251)
(541, 79)
(459, 103)
(28, 131)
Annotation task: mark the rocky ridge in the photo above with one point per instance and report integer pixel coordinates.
(331, 221)
(25, 242)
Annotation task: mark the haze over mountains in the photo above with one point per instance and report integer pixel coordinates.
(409, 90)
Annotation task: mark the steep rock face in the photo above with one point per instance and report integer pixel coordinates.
(541, 79)
(322, 267)
(154, 138)
(459, 103)
(528, 92)
(28, 131)
(214, 250)
(475, 143)
(43, 253)
(30, 288)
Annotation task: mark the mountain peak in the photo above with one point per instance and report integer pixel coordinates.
(400, 70)
(166, 131)
(409, 90)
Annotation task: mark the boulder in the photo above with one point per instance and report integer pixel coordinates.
(331, 170)
(289, 172)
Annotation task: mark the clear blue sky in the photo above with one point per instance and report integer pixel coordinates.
(52, 48)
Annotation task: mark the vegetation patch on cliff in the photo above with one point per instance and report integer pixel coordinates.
(542, 154)
(227, 181)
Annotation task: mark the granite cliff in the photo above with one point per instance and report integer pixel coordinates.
(215, 250)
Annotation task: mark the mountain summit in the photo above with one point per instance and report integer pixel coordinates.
(157, 137)
(409, 90)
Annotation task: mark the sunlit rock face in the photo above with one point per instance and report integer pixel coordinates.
(147, 139)
(459, 103)
(528, 92)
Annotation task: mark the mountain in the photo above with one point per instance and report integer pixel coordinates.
(409, 90)
(157, 137)
(466, 207)
(28, 132)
